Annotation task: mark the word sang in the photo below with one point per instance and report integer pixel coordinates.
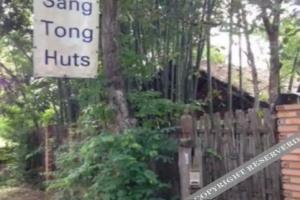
(69, 60)
(86, 8)
(71, 32)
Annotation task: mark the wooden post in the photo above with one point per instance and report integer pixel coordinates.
(187, 142)
(184, 163)
(197, 182)
(49, 155)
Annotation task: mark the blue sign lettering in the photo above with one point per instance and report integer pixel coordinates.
(86, 8)
(66, 60)
(71, 32)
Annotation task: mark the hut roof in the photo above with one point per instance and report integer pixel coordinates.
(220, 72)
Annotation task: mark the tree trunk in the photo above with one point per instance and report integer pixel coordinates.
(293, 72)
(274, 85)
(208, 57)
(66, 94)
(229, 88)
(240, 63)
(272, 24)
(200, 47)
(180, 65)
(114, 80)
(251, 61)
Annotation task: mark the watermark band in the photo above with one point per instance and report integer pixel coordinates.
(247, 169)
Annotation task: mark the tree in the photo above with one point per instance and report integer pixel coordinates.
(240, 61)
(210, 9)
(114, 80)
(270, 14)
(251, 59)
(229, 89)
(290, 52)
(293, 73)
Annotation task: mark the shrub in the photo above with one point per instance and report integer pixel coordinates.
(113, 167)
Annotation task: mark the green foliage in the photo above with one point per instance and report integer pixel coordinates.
(153, 111)
(48, 116)
(6, 155)
(291, 41)
(216, 55)
(94, 109)
(108, 167)
(5, 128)
(17, 15)
(112, 167)
(136, 66)
(263, 96)
(214, 153)
(17, 124)
(7, 160)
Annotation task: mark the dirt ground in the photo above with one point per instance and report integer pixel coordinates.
(20, 193)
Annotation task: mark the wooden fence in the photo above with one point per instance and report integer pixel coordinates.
(222, 144)
(230, 140)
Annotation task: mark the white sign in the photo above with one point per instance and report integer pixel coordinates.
(66, 38)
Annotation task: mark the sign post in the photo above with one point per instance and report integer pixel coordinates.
(66, 38)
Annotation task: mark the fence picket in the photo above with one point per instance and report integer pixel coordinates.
(233, 140)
